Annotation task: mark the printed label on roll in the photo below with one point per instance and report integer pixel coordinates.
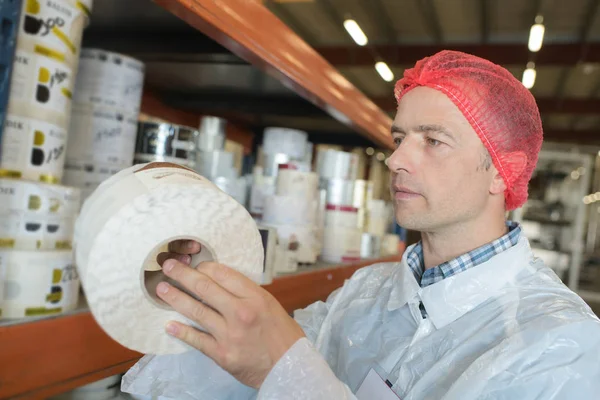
(109, 79)
(102, 136)
(52, 28)
(38, 198)
(29, 231)
(41, 89)
(38, 283)
(32, 149)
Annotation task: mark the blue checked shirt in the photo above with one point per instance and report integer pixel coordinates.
(463, 262)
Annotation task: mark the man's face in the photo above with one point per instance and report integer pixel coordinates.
(439, 175)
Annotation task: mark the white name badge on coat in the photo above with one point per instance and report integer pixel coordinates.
(374, 387)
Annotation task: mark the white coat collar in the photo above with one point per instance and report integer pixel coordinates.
(451, 298)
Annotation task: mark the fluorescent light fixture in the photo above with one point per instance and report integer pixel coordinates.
(536, 37)
(384, 71)
(355, 32)
(529, 76)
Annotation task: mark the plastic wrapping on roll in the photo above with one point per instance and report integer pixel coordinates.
(38, 283)
(127, 222)
(272, 161)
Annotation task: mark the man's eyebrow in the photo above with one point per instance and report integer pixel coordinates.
(435, 128)
(397, 129)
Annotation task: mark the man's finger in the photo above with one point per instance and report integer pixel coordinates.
(185, 247)
(230, 279)
(195, 338)
(206, 317)
(201, 286)
(182, 258)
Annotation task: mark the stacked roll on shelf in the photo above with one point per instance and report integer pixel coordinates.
(43, 76)
(102, 133)
(280, 146)
(214, 162)
(37, 215)
(165, 142)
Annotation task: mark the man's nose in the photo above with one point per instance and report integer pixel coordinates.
(405, 157)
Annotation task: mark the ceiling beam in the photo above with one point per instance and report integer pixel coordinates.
(290, 20)
(572, 136)
(484, 9)
(545, 104)
(429, 12)
(564, 54)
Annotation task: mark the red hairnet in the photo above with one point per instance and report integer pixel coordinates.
(500, 109)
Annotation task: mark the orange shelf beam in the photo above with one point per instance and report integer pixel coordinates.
(249, 30)
(51, 356)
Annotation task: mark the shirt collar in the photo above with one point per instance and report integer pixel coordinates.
(453, 297)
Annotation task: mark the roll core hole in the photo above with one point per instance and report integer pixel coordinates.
(152, 273)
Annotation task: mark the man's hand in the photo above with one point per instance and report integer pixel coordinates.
(246, 329)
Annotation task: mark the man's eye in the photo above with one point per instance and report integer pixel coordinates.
(433, 142)
(397, 141)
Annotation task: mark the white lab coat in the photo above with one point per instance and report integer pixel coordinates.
(505, 329)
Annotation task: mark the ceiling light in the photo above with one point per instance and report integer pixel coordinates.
(575, 175)
(384, 71)
(536, 34)
(370, 151)
(380, 156)
(587, 200)
(355, 32)
(529, 75)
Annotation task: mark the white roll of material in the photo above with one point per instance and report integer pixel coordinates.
(216, 163)
(300, 238)
(32, 149)
(370, 246)
(109, 79)
(127, 222)
(289, 210)
(272, 161)
(31, 231)
(342, 216)
(291, 182)
(377, 225)
(363, 193)
(38, 198)
(338, 191)
(87, 177)
(284, 140)
(262, 187)
(53, 28)
(334, 164)
(341, 245)
(38, 283)
(101, 135)
(212, 134)
(390, 244)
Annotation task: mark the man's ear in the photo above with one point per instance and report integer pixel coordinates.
(513, 164)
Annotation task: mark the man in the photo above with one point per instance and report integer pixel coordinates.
(470, 313)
